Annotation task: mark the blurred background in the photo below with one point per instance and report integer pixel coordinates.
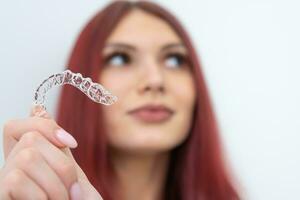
(250, 56)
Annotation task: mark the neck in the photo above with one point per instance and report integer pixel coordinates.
(140, 176)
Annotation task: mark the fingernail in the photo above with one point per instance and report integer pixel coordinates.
(41, 113)
(35, 109)
(75, 192)
(66, 138)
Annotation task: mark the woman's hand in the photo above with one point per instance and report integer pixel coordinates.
(39, 163)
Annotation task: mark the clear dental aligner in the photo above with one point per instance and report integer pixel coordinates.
(94, 91)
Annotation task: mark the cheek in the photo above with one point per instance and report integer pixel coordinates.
(184, 93)
(119, 83)
(116, 82)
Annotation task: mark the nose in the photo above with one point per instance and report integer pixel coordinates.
(152, 78)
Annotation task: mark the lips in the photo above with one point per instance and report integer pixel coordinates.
(152, 113)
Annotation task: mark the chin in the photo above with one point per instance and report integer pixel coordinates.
(144, 150)
(153, 143)
(147, 138)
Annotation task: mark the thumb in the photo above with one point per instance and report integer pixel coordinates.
(80, 174)
(87, 190)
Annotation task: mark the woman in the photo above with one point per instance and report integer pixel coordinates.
(158, 141)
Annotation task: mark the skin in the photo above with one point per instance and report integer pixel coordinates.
(39, 164)
(142, 66)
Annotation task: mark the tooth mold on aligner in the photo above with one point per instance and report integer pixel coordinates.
(94, 91)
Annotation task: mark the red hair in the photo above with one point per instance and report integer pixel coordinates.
(197, 170)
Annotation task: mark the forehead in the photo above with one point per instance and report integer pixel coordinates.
(141, 29)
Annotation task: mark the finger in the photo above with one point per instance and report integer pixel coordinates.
(86, 188)
(14, 129)
(80, 174)
(63, 165)
(34, 165)
(17, 185)
(39, 111)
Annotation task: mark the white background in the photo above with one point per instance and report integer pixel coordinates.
(250, 56)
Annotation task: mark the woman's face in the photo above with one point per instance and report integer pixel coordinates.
(145, 65)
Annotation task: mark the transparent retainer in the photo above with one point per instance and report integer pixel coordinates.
(94, 91)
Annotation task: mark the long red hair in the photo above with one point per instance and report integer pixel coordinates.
(197, 170)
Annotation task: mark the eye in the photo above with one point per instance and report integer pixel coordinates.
(117, 59)
(175, 60)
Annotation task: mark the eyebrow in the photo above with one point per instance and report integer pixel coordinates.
(120, 45)
(131, 47)
(172, 45)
